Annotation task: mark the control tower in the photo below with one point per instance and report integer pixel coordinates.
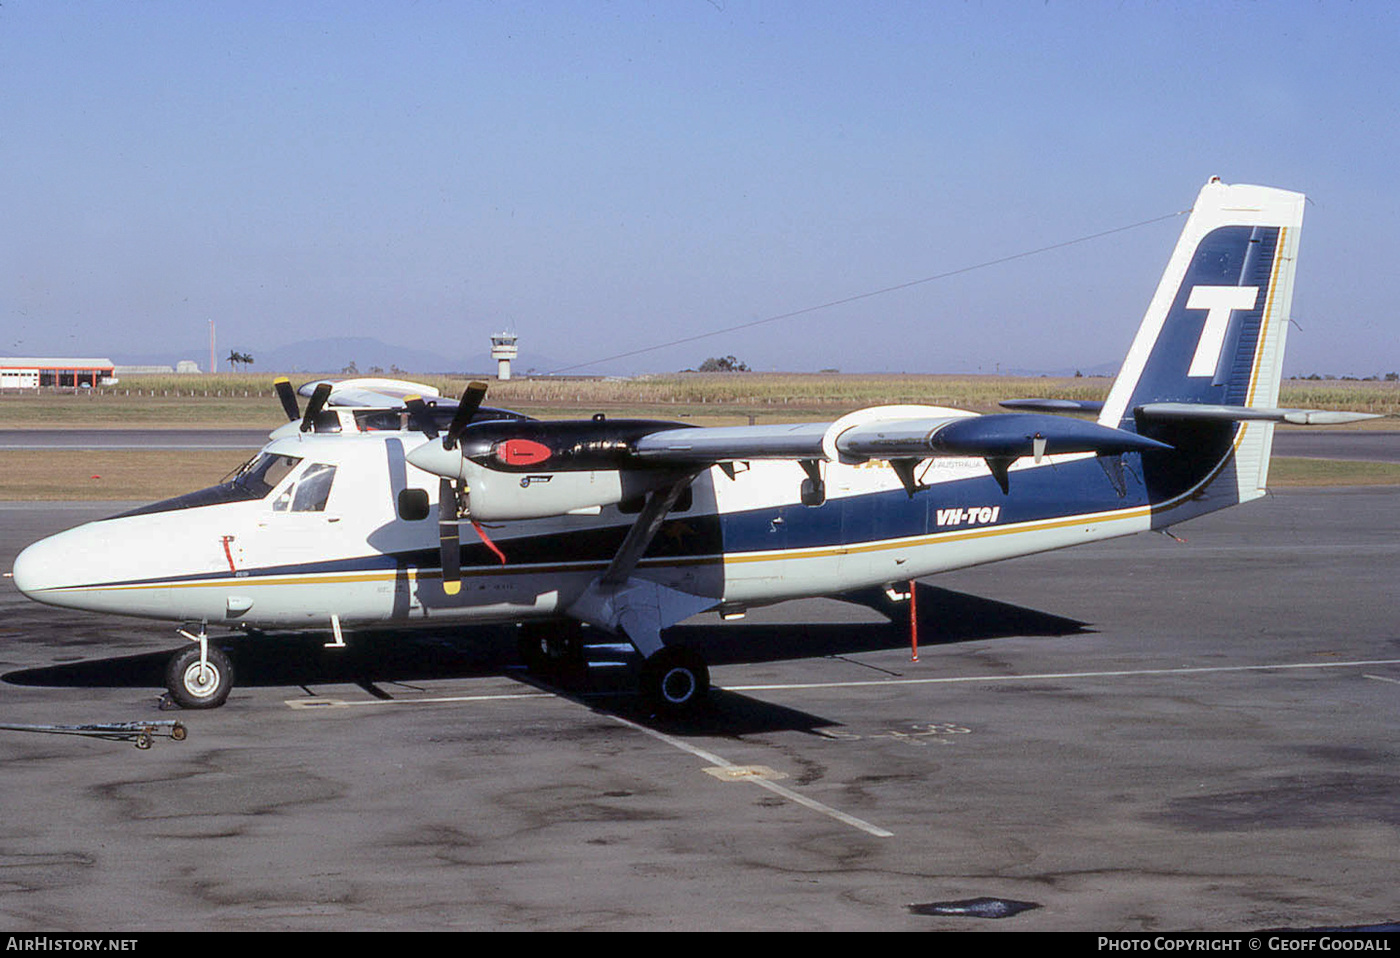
(503, 350)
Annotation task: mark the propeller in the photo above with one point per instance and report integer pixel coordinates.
(449, 545)
(418, 414)
(449, 498)
(466, 409)
(288, 397)
(314, 407)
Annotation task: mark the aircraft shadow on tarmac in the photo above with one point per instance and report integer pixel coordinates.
(403, 656)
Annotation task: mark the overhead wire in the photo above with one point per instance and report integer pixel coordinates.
(868, 295)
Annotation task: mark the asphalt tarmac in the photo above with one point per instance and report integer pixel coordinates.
(1140, 735)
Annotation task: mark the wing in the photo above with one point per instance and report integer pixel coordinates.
(895, 432)
(899, 435)
(643, 454)
(371, 393)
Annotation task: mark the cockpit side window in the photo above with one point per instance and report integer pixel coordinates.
(310, 491)
(313, 488)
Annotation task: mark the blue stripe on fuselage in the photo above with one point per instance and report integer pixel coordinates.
(1037, 494)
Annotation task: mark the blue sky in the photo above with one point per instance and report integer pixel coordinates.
(606, 176)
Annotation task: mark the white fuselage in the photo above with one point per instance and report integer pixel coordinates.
(314, 548)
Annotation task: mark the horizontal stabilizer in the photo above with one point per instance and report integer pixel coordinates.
(1053, 405)
(1214, 413)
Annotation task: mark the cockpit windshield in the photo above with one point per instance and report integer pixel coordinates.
(255, 479)
(261, 475)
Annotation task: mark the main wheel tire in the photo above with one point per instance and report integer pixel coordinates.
(193, 687)
(675, 681)
(552, 651)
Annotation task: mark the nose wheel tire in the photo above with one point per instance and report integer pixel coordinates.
(675, 681)
(195, 686)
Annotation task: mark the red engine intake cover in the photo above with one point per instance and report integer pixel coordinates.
(521, 452)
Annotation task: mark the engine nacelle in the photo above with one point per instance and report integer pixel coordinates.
(494, 496)
(533, 470)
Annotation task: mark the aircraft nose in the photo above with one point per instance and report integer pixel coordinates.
(36, 568)
(42, 566)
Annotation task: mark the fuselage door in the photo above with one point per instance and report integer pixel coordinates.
(301, 522)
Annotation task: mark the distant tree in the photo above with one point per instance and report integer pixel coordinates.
(350, 369)
(236, 359)
(723, 364)
(1392, 377)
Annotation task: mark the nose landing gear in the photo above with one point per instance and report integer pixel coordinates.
(199, 678)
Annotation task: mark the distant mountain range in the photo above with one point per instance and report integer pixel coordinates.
(334, 355)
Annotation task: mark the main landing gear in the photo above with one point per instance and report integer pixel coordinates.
(553, 651)
(674, 681)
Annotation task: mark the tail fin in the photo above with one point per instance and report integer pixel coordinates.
(1213, 337)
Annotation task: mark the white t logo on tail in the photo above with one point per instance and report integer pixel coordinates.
(1218, 302)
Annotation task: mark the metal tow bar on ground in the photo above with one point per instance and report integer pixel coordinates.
(141, 734)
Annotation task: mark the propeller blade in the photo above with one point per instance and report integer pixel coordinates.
(420, 417)
(313, 408)
(288, 397)
(449, 547)
(466, 409)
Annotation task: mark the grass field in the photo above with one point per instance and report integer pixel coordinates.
(145, 475)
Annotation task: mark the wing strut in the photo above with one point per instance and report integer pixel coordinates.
(644, 530)
(639, 609)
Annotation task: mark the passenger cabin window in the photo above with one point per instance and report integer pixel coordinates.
(310, 492)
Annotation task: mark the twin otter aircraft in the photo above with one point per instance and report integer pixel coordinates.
(381, 505)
